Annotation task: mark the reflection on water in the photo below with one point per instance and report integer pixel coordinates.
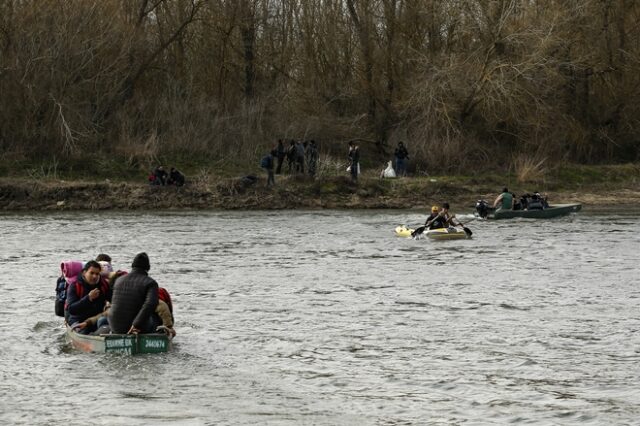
(328, 318)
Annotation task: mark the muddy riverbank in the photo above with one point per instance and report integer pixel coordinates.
(290, 193)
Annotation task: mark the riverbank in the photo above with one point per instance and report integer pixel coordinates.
(591, 189)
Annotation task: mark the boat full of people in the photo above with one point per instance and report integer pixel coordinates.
(532, 206)
(118, 312)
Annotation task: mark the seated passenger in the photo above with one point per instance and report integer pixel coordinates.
(101, 326)
(504, 201)
(175, 177)
(433, 215)
(160, 176)
(449, 218)
(135, 299)
(87, 297)
(536, 202)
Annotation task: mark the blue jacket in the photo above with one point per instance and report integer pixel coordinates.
(79, 306)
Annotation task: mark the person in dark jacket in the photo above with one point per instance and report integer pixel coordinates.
(134, 301)
(87, 297)
(312, 158)
(160, 176)
(402, 155)
(175, 177)
(280, 154)
(354, 160)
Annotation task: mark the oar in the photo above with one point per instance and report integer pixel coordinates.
(418, 231)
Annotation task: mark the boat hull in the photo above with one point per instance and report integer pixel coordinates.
(434, 234)
(548, 213)
(446, 234)
(129, 344)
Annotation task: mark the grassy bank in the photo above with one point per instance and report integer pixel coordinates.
(591, 185)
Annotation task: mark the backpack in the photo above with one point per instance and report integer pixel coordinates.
(265, 163)
(61, 296)
(163, 295)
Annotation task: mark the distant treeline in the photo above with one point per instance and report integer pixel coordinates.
(467, 84)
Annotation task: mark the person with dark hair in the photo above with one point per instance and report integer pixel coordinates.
(87, 297)
(402, 155)
(354, 160)
(280, 154)
(504, 201)
(537, 202)
(135, 299)
(267, 164)
(159, 176)
(291, 156)
(103, 257)
(175, 177)
(299, 157)
(312, 158)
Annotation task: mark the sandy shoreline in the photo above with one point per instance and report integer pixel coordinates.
(234, 194)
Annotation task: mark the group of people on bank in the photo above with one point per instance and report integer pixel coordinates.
(299, 155)
(304, 154)
(160, 177)
(95, 299)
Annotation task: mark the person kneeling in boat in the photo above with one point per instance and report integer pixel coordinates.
(87, 298)
(135, 299)
(434, 221)
(504, 201)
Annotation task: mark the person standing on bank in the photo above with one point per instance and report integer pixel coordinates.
(354, 160)
(312, 158)
(267, 164)
(402, 155)
(280, 154)
(505, 200)
(134, 300)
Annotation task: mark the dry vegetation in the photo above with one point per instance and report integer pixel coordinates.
(469, 84)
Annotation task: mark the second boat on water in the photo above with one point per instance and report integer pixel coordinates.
(546, 213)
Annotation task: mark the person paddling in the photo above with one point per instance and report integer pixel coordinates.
(432, 216)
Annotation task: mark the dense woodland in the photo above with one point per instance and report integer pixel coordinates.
(467, 84)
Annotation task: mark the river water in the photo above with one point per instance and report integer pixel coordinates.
(325, 318)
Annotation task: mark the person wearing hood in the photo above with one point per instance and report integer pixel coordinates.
(134, 300)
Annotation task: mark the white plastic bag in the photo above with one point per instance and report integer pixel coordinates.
(389, 172)
(349, 169)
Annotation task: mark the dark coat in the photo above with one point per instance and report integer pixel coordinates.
(79, 307)
(134, 300)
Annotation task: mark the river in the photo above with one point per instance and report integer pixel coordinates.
(326, 318)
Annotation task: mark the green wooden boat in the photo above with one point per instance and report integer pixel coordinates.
(547, 213)
(129, 344)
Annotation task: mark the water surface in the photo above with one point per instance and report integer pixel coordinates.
(325, 317)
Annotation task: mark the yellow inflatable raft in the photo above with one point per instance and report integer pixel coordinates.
(434, 234)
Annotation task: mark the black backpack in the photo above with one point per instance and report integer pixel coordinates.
(265, 163)
(61, 296)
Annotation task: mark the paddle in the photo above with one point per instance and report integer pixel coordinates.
(465, 229)
(417, 232)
